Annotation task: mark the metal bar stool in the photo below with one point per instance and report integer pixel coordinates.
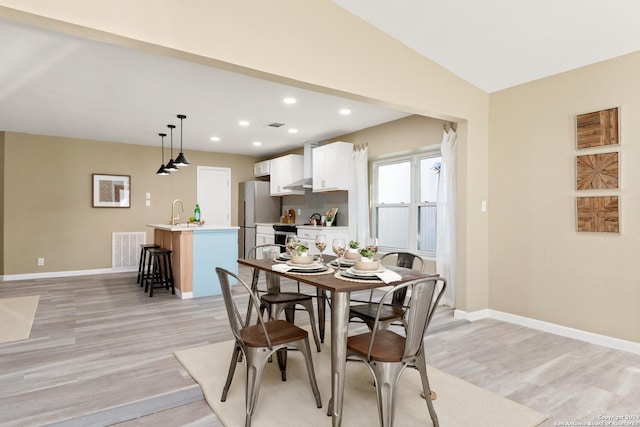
(159, 271)
(143, 261)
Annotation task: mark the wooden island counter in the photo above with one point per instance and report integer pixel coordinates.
(196, 251)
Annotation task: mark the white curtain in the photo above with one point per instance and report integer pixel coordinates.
(359, 196)
(446, 218)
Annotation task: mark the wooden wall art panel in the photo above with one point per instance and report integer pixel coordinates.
(598, 214)
(597, 171)
(597, 129)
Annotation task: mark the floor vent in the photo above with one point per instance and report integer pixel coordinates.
(125, 249)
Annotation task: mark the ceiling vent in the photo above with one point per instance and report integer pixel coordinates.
(275, 125)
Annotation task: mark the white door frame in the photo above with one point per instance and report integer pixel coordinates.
(201, 197)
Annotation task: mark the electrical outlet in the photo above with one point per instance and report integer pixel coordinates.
(40, 261)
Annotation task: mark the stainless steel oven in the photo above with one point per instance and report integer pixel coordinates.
(281, 231)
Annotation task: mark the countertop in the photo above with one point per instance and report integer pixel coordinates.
(185, 227)
(269, 224)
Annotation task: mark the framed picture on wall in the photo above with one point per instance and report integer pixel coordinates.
(111, 191)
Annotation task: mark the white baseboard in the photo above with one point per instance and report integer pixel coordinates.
(54, 274)
(578, 334)
(184, 295)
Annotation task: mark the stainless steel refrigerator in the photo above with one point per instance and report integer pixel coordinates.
(256, 205)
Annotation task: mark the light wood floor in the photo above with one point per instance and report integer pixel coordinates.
(100, 350)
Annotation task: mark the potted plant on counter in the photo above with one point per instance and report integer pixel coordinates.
(330, 216)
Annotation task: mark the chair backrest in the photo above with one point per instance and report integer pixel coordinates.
(272, 280)
(251, 253)
(425, 295)
(236, 319)
(405, 260)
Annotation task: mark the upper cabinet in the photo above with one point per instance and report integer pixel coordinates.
(284, 171)
(332, 164)
(262, 168)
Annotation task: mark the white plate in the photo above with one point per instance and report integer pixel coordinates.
(312, 266)
(365, 272)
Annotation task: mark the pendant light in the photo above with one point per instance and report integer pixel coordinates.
(181, 160)
(162, 170)
(171, 166)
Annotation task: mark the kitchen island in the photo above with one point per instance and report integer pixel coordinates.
(196, 252)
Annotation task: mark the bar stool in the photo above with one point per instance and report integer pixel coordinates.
(143, 261)
(159, 271)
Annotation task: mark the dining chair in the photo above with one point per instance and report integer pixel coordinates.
(394, 310)
(255, 344)
(274, 301)
(387, 353)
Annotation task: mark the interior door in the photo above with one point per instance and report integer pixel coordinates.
(214, 195)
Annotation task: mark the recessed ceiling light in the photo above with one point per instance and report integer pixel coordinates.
(292, 130)
(215, 138)
(289, 100)
(345, 111)
(257, 143)
(243, 123)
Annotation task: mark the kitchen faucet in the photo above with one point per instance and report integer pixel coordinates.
(174, 217)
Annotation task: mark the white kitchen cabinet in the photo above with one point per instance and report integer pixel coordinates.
(307, 235)
(284, 171)
(265, 234)
(262, 168)
(332, 164)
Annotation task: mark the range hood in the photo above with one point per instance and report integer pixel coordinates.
(307, 181)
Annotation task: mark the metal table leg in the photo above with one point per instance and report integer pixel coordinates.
(339, 329)
(321, 301)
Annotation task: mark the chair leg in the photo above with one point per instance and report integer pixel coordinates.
(421, 365)
(305, 349)
(386, 375)
(232, 370)
(256, 360)
(312, 319)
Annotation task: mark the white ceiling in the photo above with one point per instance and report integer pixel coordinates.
(496, 44)
(60, 85)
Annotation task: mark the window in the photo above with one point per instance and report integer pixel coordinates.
(405, 192)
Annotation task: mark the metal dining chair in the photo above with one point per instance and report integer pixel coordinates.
(274, 301)
(394, 310)
(387, 353)
(257, 343)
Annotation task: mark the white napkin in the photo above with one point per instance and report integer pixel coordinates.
(281, 268)
(388, 276)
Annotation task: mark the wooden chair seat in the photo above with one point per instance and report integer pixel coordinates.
(388, 346)
(279, 331)
(284, 297)
(368, 312)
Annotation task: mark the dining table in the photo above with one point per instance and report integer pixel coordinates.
(340, 289)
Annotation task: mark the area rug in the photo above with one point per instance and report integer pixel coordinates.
(16, 317)
(291, 403)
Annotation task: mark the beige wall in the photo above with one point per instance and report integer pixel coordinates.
(540, 267)
(336, 53)
(47, 195)
(2, 173)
